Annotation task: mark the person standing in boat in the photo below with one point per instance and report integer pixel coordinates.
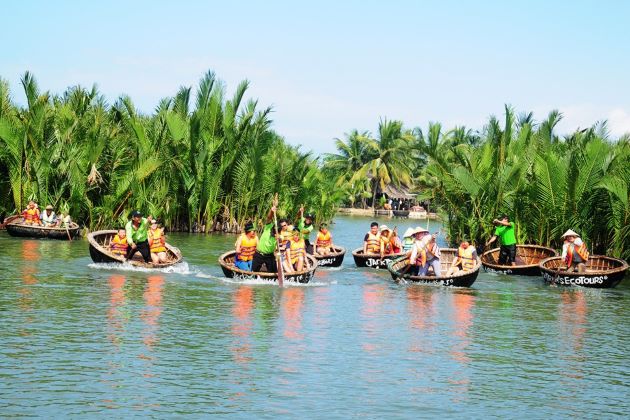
(265, 250)
(246, 247)
(372, 240)
(574, 252)
(466, 259)
(305, 226)
(119, 245)
(157, 243)
(137, 231)
(48, 217)
(506, 233)
(31, 214)
(323, 243)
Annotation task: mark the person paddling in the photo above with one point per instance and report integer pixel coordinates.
(265, 250)
(137, 230)
(505, 233)
(574, 252)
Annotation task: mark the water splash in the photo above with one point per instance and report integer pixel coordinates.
(179, 268)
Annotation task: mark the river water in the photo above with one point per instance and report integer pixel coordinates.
(79, 339)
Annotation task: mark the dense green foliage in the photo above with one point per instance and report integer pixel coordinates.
(546, 184)
(214, 165)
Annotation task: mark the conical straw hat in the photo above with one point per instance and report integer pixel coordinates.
(408, 233)
(570, 233)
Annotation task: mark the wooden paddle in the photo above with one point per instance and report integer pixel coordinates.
(280, 268)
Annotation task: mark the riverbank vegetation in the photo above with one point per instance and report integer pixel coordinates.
(545, 182)
(204, 165)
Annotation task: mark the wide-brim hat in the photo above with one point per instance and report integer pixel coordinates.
(570, 233)
(49, 207)
(384, 227)
(419, 230)
(408, 233)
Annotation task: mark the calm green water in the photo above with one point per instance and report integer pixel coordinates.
(79, 339)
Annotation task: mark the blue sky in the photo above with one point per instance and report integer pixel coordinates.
(328, 67)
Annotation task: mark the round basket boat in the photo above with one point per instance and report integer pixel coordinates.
(398, 269)
(527, 258)
(373, 260)
(19, 229)
(334, 259)
(601, 272)
(8, 220)
(99, 251)
(226, 261)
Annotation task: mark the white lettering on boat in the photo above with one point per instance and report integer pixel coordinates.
(326, 261)
(375, 262)
(492, 270)
(577, 281)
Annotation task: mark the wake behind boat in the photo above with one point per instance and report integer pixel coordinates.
(362, 259)
(226, 261)
(399, 267)
(334, 259)
(527, 259)
(601, 272)
(19, 229)
(100, 251)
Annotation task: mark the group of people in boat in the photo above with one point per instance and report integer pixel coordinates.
(421, 248)
(291, 240)
(48, 218)
(143, 235)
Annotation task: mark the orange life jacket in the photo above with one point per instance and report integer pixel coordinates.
(323, 239)
(156, 241)
(580, 250)
(373, 243)
(248, 248)
(465, 256)
(118, 246)
(298, 249)
(31, 216)
(421, 257)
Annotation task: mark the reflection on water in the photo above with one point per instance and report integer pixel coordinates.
(572, 316)
(373, 296)
(463, 304)
(243, 301)
(116, 303)
(153, 308)
(30, 256)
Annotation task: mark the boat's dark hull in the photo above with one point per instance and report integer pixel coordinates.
(372, 260)
(398, 267)
(230, 271)
(533, 254)
(40, 232)
(332, 260)
(594, 277)
(101, 254)
(400, 213)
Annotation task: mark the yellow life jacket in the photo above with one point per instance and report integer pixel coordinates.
(118, 246)
(31, 216)
(581, 250)
(373, 243)
(298, 249)
(323, 239)
(156, 241)
(248, 248)
(466, 258)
